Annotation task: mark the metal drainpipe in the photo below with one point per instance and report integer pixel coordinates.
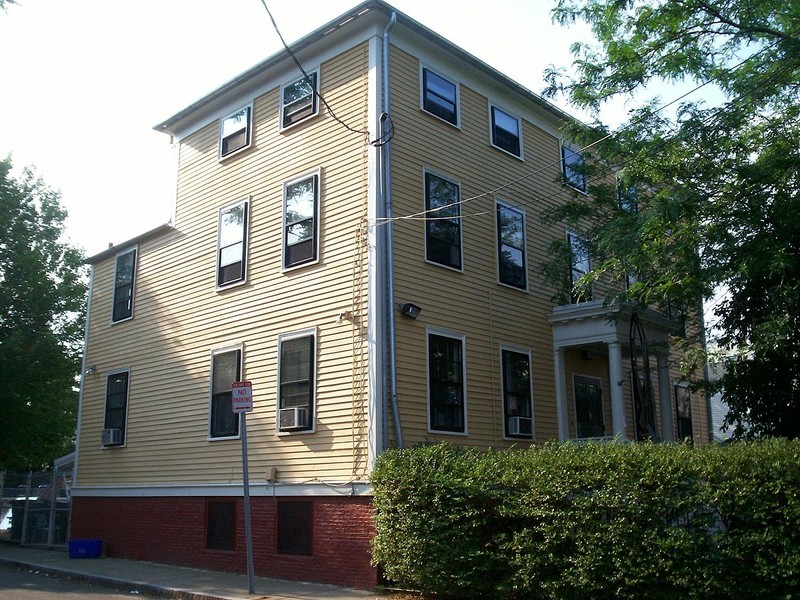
(386, 155)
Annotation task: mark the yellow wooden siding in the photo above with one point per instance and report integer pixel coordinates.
(471, 302)
(180, 317)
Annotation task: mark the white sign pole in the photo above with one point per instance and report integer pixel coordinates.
(242, 403)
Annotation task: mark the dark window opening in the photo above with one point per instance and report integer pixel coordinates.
(439, 97)
(221, 526)
(295, 528)
(123, 286)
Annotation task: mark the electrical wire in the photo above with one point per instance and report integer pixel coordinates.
(423, 215)
(381, 140)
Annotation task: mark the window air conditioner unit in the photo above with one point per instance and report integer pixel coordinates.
(112, 437)
(295, 417)
(520, 426)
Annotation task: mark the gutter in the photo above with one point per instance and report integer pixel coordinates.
(386, 166)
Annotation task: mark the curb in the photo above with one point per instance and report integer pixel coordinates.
(114, 583)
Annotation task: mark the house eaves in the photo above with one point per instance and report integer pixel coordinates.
(112, 250)
(171, 125)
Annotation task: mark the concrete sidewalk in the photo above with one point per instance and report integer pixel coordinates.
(170, 581)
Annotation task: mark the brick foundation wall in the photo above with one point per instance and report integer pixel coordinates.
(172, 530)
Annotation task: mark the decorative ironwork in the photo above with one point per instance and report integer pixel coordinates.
(643, 404)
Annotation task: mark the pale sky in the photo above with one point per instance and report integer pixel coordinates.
(85, 81)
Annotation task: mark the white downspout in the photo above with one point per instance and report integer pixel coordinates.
(386, 155)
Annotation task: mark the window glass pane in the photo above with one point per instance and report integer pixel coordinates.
(506, 122)
(299, 100)
(235, 122)
(116, 402)
(125, 264)
(442, 195)
(232, 247)
(123, 286)
(234, 132)
(445, 380)
(299, 90)
(231, 225)
(226, 371)
(443, 243)
(300, 206)
(300, 200)
(505, 131)
(231, 255)
(573, 162)
(295, 359)
(441, 87)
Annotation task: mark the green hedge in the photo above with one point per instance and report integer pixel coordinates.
(591, 520)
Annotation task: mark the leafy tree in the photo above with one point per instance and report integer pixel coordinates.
(716, 188)
(42, 294)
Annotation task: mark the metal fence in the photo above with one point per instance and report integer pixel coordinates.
(34, 507)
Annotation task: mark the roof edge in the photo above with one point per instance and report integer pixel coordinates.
(114, 249)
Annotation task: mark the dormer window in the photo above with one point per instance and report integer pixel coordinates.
(299, 100)
(235, 131)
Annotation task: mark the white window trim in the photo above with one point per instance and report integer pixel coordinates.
(500, 202)
(312, 332)
(422, 68)
(246, 239)
(566, 145)
(220, 156)
(527, 352)
(457, 336)
(316, 100)
(575, 405)
(214, 352)
(134, 277)
(491, 131)
(317, 228)
(426, 171)
(127, 404)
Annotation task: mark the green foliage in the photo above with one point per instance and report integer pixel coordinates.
(718, 186)
(42, 294)
(591, 521)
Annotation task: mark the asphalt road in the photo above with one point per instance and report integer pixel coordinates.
(21, 584)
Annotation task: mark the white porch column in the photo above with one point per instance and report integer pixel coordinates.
(665, 397)
(561, 394)
(617, 397)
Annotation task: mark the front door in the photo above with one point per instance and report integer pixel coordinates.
(589, 407)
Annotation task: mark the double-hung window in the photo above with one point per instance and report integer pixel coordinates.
(116, 413)
(301, 221)
(123, 285)
(296, 368)
(443, 221)
(511, 246)
(573, 164)
(506, 133)
(299, 100)
(439, 96)
(517, 394)
(232, 243)
(447, 393)
(235, 131)
(226, 368)
(580, 265)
